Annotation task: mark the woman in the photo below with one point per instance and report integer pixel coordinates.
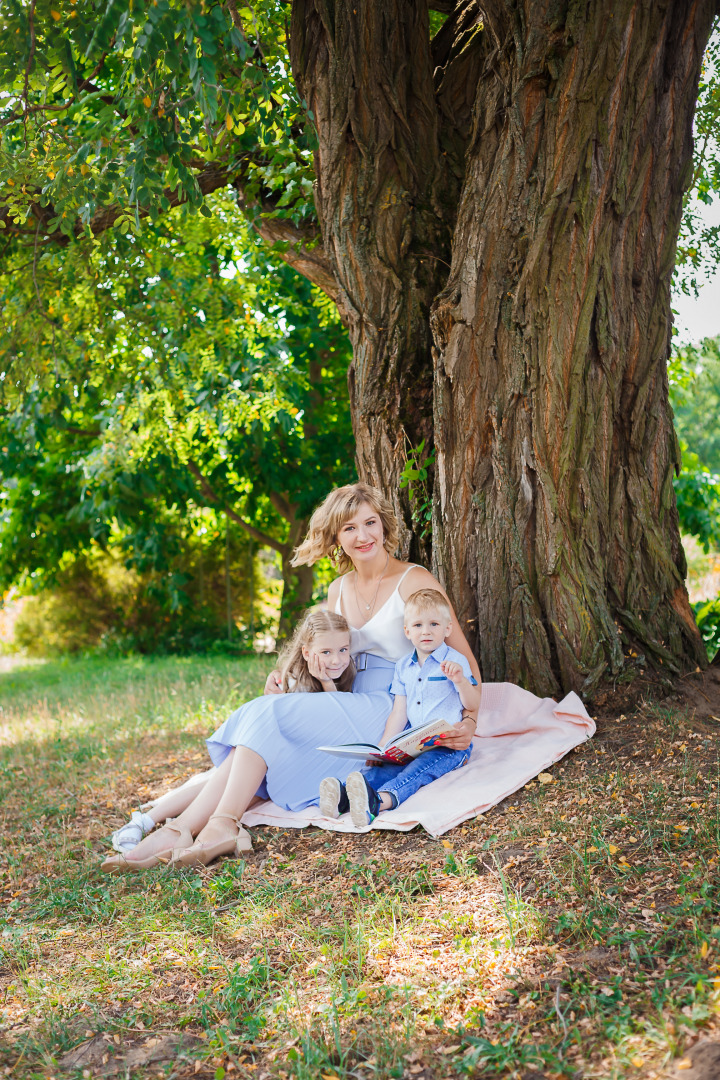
(275, 754)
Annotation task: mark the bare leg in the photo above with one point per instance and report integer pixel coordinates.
(209, 793)
(247, 771)
(174, 802)
(236, 780)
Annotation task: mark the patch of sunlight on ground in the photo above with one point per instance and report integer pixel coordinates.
(17, 660)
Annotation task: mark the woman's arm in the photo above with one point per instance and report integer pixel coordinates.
(396, 721)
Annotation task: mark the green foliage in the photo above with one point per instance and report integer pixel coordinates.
(707, 616)
(698, 500)
(95, 601)
(415, 477)
(127, 105)
(698, 251)
(194, 371)
(694, 377)
(695, 397)
(153, 358)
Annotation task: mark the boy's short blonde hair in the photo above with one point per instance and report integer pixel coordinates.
(427, 600)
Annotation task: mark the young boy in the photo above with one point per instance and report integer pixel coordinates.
(430, 683)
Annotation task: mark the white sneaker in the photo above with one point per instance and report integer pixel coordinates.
(129, 836)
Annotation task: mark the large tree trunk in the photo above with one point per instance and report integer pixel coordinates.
(557, 531)
(387, 185)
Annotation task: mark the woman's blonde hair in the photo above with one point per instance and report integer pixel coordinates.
(331, 515)
(292, 663)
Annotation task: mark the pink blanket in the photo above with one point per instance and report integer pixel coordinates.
(518, 736)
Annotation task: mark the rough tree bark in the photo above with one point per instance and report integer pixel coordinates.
(556, 530)
(387, 185)
(556, 448)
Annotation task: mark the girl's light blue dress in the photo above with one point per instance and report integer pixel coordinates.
(285, 729)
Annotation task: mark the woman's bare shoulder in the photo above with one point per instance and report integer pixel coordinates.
(418, 578)
(334, 591)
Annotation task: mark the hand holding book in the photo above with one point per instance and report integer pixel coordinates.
(399, 750)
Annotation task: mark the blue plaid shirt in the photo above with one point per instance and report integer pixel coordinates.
(430, 694)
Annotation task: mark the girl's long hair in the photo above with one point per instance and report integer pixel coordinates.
(331, 515)
(293, 664)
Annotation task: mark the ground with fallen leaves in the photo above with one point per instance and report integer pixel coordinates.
(573, 931)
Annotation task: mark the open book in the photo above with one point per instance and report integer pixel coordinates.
(400, 750)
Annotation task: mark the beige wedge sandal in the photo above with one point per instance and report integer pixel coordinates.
(121, 864)
(203, 854)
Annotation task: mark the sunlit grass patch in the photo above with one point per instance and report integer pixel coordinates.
(573, 930)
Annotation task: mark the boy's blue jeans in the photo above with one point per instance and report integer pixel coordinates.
(402, 781)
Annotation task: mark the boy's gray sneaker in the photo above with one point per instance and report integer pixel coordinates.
(333, 797)
(364, 800)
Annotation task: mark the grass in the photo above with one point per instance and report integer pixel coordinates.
(575, 930)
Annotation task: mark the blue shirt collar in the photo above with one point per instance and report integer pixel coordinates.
(439, 654)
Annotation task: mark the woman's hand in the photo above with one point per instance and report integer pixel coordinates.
(317, 666)
(273, 683)
(461, 735)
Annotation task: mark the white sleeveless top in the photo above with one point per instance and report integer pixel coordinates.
(383, 634)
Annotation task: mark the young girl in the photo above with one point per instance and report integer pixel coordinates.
(316, 660)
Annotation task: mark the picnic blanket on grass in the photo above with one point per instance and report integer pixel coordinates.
(518, 735)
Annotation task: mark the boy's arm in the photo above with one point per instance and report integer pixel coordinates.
(462, 733)
(469, 694)
(396, 721)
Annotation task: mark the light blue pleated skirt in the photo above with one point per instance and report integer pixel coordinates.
(285, 729)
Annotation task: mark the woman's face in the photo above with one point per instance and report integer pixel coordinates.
(361, 536)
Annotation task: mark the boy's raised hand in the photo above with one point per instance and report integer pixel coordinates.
(452, 670)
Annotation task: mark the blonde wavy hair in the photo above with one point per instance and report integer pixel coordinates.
(293, 666)
(326, 522)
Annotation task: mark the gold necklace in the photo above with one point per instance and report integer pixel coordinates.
(358, 595)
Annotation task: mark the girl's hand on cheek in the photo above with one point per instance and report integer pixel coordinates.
(317, 667)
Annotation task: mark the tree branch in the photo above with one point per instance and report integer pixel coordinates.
(91, 433)
(209, 179)
(303, 251)
(257, 534)
(283, 506)
(305, 254)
